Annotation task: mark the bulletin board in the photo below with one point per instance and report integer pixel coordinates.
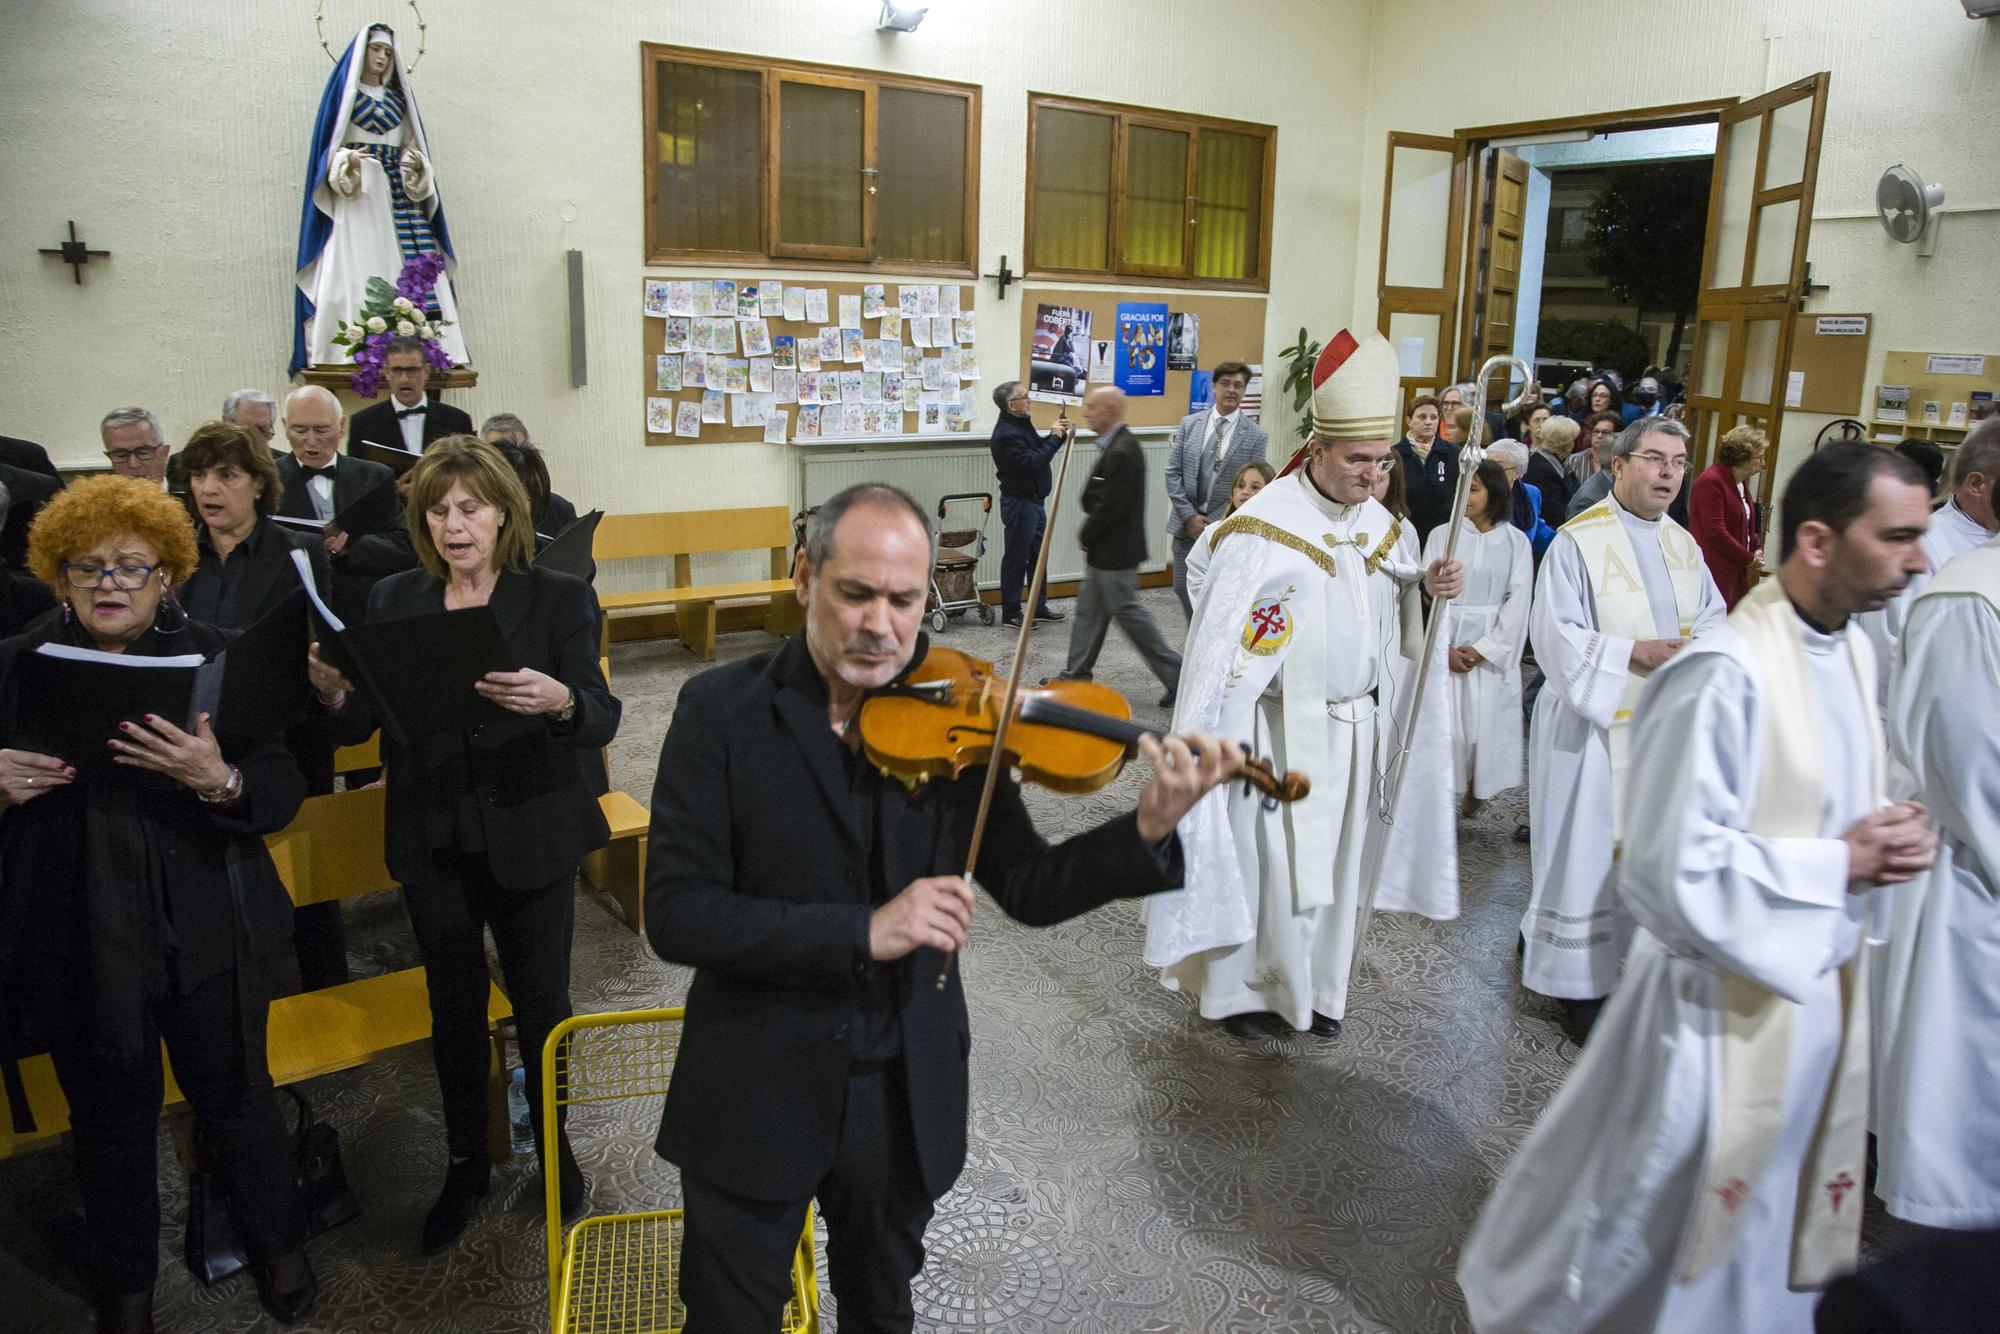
(1232, 329)
(1941, 391)
(1830, 362)
(964, 331)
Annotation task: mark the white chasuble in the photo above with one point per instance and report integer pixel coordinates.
(1609, 579)
(1938, 1117)
(1491, 617)
(1701, 1166)
(1298, 620)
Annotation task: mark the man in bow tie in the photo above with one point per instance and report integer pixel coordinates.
(354, 499)
(409, 418)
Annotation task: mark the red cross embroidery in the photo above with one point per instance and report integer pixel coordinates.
(1837, 1190)
(1733, 1192)
(1269, 621)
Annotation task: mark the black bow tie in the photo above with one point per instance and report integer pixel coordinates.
(326, 472)
(417, 411)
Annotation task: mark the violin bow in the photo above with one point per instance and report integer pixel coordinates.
(1012, 697)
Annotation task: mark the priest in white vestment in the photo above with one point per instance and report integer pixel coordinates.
(1700, 1171)
(1621, 588)
(1938, 1109)
(1486, 628)
(1308, 594)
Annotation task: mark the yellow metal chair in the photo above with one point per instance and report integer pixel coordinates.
(620, 1272)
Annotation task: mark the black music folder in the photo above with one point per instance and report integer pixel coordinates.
(397, 458)
(364, 513)
(72, 700)
(568, 552)
(417, 671)
(264, 687)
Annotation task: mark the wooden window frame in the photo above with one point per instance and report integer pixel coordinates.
(795, 255)
(1123, 116)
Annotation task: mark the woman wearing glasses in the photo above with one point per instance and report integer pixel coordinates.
(135, 913)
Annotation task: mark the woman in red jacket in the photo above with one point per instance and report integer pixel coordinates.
(1720, 511)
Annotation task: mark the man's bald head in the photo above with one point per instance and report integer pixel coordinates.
(1104, 408)
(312, 425)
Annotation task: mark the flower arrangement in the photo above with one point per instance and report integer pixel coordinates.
(387, 314)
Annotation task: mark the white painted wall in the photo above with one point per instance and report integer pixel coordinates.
(175, 132)
(1913, 81)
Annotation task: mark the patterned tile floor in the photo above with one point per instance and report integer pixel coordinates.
(1132, 1168)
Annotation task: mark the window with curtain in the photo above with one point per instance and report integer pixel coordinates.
(757, 159)
(1124, 192)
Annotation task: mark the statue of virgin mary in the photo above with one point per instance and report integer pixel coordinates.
(371, 201)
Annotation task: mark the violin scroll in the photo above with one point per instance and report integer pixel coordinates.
(1258, 775)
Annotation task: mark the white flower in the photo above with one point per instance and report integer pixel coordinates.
(423, 328)
(402, 303)
(376, 324)
(405, 328)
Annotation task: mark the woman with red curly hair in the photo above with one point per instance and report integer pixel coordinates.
(136, 912)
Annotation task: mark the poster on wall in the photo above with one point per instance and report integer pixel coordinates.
(1100, 361)
(1059, 354)
(1141, 366)
(1183, 340)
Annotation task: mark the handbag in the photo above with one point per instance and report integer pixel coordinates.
(213, 1241)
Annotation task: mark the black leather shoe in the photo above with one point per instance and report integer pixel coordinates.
(464, 1184)
(1521, 833)
(1049, 614)
(1579, 1017)
(1167, 700)
(1323, 1027)
(1246, 1026)
(287, 1287)
(126, 1313)
(1012, 618)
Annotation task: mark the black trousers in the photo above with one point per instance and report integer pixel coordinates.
(736, 1252)
(1021, 524)
(115, 1126)
(532, 930)
(319, 937)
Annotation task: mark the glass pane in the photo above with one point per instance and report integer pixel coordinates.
(1228, 204)
(1785, 158)
(1072, 183)
(819, 165)
(920, 152)
(1714, 357)
(1415, 338)
(1155, 198)
(1777, 231)
(1760, 360)
(711, 158)
(1739, 183)
(1419, 205)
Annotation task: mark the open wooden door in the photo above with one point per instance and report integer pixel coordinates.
(1754, 265)
(1503, 195)
(1423, 199)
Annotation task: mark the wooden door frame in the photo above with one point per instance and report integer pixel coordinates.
(1439, 300)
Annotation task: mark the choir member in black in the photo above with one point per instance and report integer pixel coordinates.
(244, 569)
(323, 484)
(508, 434)
(486, 827)
(135, 913)
(23, 598)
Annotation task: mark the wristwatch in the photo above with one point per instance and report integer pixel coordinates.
(568, 710)
(231, 789)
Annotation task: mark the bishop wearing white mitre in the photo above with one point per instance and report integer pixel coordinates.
(1307, 595)
(1700, 1171)
(1621, 589)
(1938, 1105)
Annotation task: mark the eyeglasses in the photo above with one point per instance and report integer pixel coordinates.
(1661, 463)
(139, 454)
(84, 574)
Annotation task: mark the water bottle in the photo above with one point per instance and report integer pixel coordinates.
(523, 1127)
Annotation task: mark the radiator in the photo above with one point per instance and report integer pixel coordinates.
(929, 472)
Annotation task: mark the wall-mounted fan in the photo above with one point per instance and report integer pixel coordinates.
(1907, 207)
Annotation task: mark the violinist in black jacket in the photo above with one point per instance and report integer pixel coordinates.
(819, 902)
(485, 827)
(142, 911)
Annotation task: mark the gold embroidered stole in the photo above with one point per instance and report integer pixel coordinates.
(1756, 1022)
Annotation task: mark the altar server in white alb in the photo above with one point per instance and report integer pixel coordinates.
(1967, 520)
(1622, 588)
(1938, 1109)
(1700, 1171)
(1486, 627)
(1308, 594)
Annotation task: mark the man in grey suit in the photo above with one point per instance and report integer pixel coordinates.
(1209, 448)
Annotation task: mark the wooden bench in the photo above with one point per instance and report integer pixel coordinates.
(367, 755)
(684, 534)
(619, 868)
(331, 851)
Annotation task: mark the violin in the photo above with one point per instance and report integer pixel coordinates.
(1068, 736)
